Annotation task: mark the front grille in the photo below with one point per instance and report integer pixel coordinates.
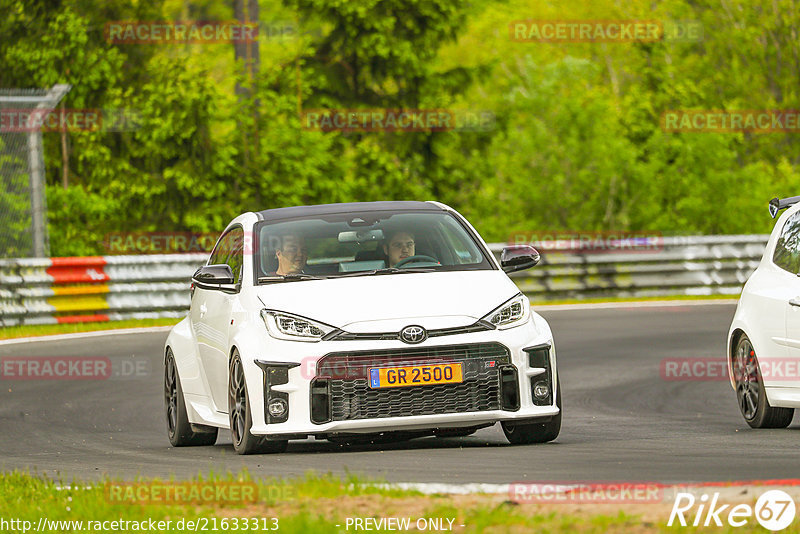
(341, 335)
(351, 397)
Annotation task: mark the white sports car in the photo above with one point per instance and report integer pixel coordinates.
(764, 337)
(379, 320)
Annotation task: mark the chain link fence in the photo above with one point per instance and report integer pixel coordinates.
(23, 205)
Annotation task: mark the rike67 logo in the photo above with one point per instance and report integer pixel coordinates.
(774, 510)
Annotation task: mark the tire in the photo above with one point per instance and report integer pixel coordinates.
(750, 393)
(241, 420)
(535, 432)
(179, 430)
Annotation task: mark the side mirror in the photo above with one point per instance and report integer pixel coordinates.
(213, 276)
(518, 257)
(778, 204)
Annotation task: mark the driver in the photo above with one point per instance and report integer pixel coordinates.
(398, 246)
(292, 255)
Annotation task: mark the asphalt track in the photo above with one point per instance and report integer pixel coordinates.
(622, 420)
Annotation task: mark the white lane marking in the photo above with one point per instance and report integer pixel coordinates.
(430, 488)
(80, 335)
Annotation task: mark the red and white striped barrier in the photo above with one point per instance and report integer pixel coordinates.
(95, 288)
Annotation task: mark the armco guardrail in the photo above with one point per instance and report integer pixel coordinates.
(662, 266)
(108, 288)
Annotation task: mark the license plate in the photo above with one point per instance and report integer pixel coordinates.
(417, 375)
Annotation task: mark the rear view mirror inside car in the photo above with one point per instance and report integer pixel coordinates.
(360, 236)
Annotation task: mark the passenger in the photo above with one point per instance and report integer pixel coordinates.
(292, 255)
(398, 246)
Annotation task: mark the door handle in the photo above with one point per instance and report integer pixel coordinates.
(795, 302)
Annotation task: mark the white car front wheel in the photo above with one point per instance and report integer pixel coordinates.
(524, 434)
(241, 419)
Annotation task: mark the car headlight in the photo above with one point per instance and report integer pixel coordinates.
(283, 325)
(511, 313)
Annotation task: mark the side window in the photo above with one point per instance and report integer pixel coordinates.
(230, 250)
(220, 251)
(464, 252)
(236, 255)
(787, 249)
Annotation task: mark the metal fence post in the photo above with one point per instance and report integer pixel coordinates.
(44, 104)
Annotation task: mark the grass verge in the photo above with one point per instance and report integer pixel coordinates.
(305, 504)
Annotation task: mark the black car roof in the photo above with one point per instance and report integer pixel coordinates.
(349, 207)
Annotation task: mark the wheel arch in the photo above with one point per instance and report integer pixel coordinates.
(735, 335)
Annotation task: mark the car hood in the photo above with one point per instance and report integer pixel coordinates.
(438, 300)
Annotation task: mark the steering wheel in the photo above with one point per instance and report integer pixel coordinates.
(415, 259)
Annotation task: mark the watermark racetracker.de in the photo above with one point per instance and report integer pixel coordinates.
(197, 32)
(120, 243)
(178, 242)
(197, 493)
(717, 369)
(730, 121)
(574, 492)
(69, 120)
(397, 120)
(24, 368)
(604, 31)
(589, 241)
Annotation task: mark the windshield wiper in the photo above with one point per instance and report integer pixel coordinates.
(392, 270)
(389, 270)
(290, 277)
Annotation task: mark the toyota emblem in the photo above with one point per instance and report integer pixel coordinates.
(413, 334)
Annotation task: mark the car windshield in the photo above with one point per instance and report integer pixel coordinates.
(365, 244)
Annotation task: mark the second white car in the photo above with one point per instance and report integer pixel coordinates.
(764, 337)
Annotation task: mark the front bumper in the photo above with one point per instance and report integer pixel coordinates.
(353, 408)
